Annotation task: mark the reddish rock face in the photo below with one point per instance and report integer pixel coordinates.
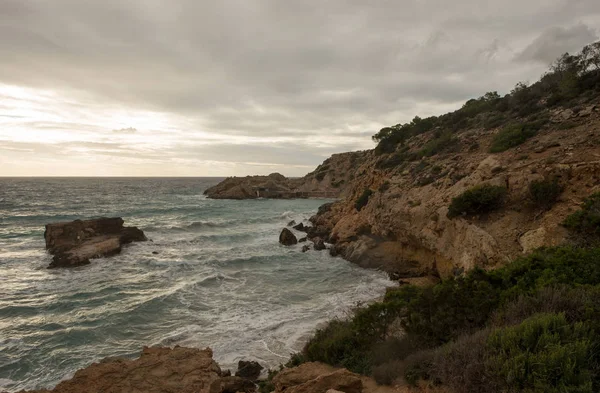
(75, 243)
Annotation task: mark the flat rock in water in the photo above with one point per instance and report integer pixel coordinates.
(74, 243)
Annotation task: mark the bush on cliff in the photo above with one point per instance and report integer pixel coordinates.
(447, 328)
(571, 80)
(586, 221)
(544, 193)
(477, 200)
(512, 135)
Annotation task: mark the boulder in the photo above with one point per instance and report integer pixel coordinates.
(287, 238)
(300, 227)
(318, 231)
(305, 248)
(319, 244)
(302, 239)
(237, 384)
(316, 378)
(249, 370)
(587, 111)
(74, 243)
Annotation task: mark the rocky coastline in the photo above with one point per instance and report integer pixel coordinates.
(403, 227)
(192, 370)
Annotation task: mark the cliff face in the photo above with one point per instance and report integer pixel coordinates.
(403, 228)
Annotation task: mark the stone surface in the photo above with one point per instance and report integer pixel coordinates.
(316, 378)
(287, 238)
(157, 370)
(249, 370)
(305, 248)
(74, 243)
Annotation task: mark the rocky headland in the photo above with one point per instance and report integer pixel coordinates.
(330, 180)
(74, 243)
(403, 226)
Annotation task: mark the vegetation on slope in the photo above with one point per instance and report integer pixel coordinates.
(570, 81)
(483, 198)
(531, 326)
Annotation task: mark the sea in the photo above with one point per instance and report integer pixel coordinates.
(212, 275)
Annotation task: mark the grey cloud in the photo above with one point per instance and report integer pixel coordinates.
(557, 40)
(269, 68)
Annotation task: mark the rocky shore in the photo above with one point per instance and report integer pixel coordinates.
(191, 370)
(392, 209)
(75, 243)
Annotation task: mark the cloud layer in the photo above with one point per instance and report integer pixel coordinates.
(181, 87)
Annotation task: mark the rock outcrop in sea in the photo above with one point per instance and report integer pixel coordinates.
(287, 238)
(74, 243)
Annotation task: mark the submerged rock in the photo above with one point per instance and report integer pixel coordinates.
(287, 238)
(249, 370)
(305, 248)
(75, 243)
(291, 223)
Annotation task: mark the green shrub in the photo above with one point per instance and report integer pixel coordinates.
(479, 199)
(544, 193)
(388, 373)
(418, 367)
(437, 145)
(461, 365)
(512, 136)
(339, 344)
(363, 199)
(543, 354)
(457, 314)
(320, 176)
(577, 304)
(587, 220)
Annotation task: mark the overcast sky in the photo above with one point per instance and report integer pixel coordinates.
(218, 88)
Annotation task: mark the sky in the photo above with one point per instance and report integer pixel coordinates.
(239, 87)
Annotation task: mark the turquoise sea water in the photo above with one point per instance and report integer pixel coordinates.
(220, 278)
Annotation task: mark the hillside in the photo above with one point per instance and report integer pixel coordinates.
(392, 211)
